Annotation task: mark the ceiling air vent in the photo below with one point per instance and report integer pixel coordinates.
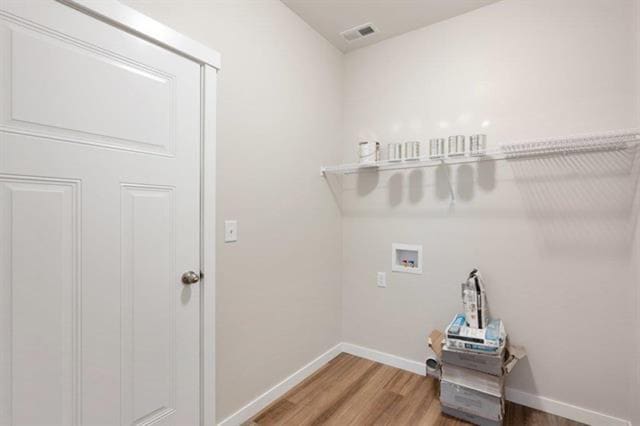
(358, 32)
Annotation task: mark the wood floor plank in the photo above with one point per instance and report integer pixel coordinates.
(278, 411)
(401, 382)
(352, 391)
(365, 403)
(324, 378)
(415, 405)
(328, 391)
(345, 396)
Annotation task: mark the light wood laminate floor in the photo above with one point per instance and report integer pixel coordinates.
(355, 391)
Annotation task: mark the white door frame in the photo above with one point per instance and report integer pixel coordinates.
(140, 25)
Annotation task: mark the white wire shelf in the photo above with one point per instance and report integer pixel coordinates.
(611, 141)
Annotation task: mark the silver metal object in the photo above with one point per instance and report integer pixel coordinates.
(478, 144)
(190, 277)
(411, 150)
(368, 152)
(394, 152)
(436, 148)
(456, 146)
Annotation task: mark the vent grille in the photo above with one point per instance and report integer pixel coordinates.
(366, 31)
(361, 31)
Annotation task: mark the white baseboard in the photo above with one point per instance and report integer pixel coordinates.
(562, 409)
(261, 402)
(385, 358)
(537, 402)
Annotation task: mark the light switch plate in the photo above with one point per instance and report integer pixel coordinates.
(230, 231)
(382, 279)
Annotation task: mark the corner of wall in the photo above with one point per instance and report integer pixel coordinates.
(637, 53)
(635, 393)
(635, 265)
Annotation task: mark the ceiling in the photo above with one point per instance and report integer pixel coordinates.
(389, 17)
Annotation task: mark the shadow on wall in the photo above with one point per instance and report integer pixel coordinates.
(582, 203)
(579, 203)
(395, 189)
(481, 174)
(367, 182)
(463, 187)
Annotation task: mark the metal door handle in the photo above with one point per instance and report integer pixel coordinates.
(190, 277)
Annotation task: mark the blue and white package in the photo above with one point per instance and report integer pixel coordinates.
(457, 323)
(490, 339)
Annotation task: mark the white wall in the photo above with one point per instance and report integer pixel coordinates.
(636, 253)
(279, 118)
(635, 394)
(551, 236)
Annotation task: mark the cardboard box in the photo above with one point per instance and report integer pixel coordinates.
(463, 398)
(472, 392)
(472, 384)
(481, 382)
(471, 418)
(497, 364)
(435, 342)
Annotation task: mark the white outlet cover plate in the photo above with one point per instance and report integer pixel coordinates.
(382, 279)
(230, 231)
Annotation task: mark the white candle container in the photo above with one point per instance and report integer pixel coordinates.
(368, 152)
(478, 145)
(412, 150)
(394, 152)
(436, 148)
(457, 146)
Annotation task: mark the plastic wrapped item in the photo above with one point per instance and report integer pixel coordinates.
(471, 401)
(474, 301)
(498, 363)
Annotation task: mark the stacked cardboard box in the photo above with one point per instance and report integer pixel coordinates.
(472, 381)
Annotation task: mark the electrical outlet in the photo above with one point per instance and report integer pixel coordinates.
(230, 231)
(382, 279)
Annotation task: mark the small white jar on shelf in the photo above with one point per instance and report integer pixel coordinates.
(457, 146)
(478, 145)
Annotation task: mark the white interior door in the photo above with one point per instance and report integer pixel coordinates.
(99, 218)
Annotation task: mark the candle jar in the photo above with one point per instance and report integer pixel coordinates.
(368, 152)
(436, 148)
(478, 144)
(412, 150)
(394, 152)
(456, 146)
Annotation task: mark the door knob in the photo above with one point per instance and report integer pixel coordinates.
(190, 277)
